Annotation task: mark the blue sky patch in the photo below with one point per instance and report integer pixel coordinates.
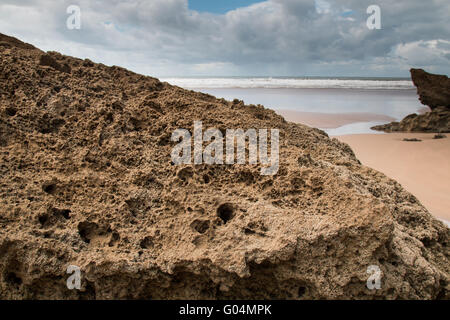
(219, 6)
(347, 13)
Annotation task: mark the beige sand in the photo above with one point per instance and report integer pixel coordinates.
(330, 120)
(423, 168)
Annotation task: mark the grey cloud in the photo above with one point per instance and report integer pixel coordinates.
(280, 37)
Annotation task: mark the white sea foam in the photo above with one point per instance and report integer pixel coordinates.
(446, 222)
(294, 83)
(354, 128)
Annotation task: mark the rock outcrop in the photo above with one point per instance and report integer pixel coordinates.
(87, 180)
(433, 91)
(437, 120)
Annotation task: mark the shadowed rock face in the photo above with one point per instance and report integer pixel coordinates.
(438, 120)
(433, 89)
(87, 180)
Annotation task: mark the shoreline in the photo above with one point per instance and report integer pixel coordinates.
(422, 168)
(331, 120)
(386, 105)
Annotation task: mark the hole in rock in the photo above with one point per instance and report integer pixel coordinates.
(115, 238)
(12, 278)
(442, 293)
(87, 230)
(11, 111)
(249, 231)
(89, 292)
(146, 243)
(185, 173)
(49, 188)
(164, 140)
(201, 226)
(62, 212)
(43, 219)
(301, 291)
(225, 212)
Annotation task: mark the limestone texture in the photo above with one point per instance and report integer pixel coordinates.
(86, 179)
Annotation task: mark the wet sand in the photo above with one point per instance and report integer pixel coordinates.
(331, 120)
(422, 168)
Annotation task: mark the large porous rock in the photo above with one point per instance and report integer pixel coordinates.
(437, 120)
(87, 180)
(433, 89)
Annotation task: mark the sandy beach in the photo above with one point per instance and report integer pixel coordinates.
(331, 120)
(422, 168)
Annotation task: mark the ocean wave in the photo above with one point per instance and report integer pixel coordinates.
(294, 83)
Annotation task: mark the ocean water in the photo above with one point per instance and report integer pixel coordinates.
(293, 83)
(392, 97)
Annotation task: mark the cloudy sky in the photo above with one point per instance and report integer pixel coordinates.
(241, 37)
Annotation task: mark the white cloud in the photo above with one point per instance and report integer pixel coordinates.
(322, 6)
(433, 55)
